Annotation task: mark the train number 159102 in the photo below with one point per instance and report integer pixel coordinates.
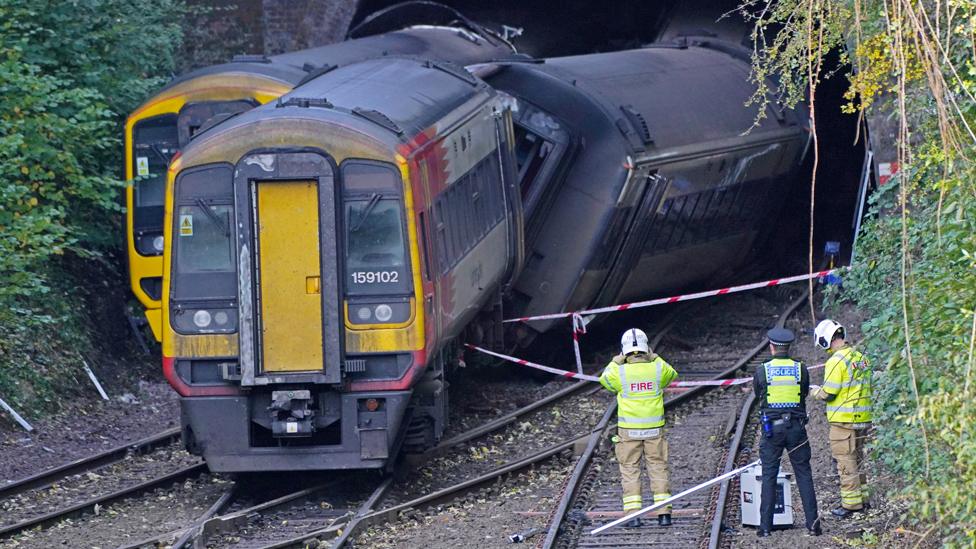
(375, 277)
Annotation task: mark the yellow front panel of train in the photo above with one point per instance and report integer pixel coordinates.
(291, 303)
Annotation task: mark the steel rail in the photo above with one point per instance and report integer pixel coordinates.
(715, 535)
(191, 534)
(210, 523)
(79, 508)
(723, 492)
(347, 530)
(506, 419)
(583, 463)
(116, 454)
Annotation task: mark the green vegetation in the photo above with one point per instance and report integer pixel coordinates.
(916, 269)
(69, 73)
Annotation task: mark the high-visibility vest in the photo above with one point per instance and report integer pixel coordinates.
(639, 384)
(782, 383)
(847, 376)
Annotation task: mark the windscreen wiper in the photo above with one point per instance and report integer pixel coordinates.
(213, 216)
(374, 199)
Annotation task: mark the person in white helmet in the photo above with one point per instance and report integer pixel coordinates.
(638, 377)
(847, 390)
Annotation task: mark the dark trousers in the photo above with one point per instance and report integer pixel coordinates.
(791, 437)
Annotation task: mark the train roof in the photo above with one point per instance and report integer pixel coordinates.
(439, 42)
(659, 97)
(394, 97)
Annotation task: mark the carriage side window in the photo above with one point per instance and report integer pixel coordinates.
(467, 211)
(375, 234)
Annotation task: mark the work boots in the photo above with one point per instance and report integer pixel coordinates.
(844, 513)
(633, 523)
(664, 520)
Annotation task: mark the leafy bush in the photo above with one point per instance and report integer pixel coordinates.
(69, 73)
(916, 272)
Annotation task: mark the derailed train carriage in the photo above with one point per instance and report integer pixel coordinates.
(638, 175)
(307, 314)
(325, 253)
(167, 121)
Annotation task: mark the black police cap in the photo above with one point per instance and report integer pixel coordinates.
(780, 336)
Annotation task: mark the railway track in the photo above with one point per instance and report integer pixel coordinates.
(383, 507)
(334, 511)
(706, 429)
(255, 516)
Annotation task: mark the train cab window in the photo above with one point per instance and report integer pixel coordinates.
(154, 142)
(204, 238)
(203, 250)
(375, 235)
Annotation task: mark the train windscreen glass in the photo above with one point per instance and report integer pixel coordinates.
(376, 252)
(203, 221)
(154, 142)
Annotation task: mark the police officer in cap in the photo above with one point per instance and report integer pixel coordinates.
(781, 386)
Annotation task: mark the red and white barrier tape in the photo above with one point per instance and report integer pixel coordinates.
(571, 375)
(556, 371)
(677, 298)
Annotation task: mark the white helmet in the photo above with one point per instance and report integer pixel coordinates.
(825, 332)
(633, 340)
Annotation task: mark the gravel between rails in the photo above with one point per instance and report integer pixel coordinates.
(547, 427)
(158, 512)
(698, 344)
(483, 518)
(104, 480)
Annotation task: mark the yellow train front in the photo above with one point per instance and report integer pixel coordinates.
(169, 119)
(322, 255)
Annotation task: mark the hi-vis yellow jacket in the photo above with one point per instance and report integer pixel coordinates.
(639, 384)
(847, 376)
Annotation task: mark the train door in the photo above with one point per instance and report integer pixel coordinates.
(289, 269)
(287, 239)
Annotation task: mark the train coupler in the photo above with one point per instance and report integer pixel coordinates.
(291, 414)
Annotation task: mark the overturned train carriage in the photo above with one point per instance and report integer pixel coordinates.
(322, 250)
(638, 174)
(167, 121)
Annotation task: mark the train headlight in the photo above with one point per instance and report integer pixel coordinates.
(384, 313)
(202, 319)
(193, 318)
(157, 243)
(364, 314)
(378, 312)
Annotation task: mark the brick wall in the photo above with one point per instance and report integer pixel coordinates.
(296, 24)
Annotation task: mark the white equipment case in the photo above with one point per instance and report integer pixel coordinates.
(750, 493)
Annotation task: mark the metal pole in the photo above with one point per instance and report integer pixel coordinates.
(23, 422)
(675, 497)
(862, 195)
(91, 375)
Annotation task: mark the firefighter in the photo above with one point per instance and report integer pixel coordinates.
(638, 377)
(847, 390)
(781, 386)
